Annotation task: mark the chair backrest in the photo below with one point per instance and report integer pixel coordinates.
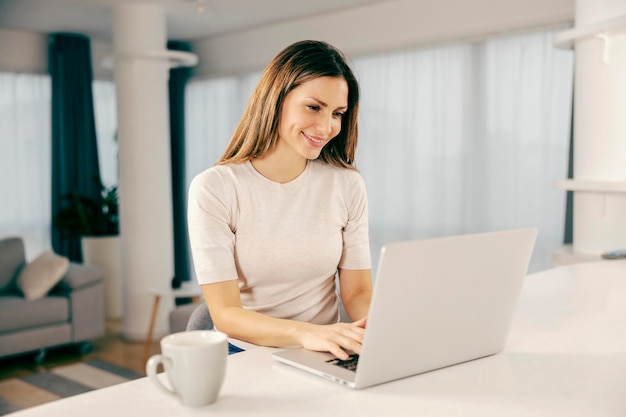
(200, 319)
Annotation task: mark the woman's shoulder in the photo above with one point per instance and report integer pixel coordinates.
(346, 175)
(219, 180)
(219, 174)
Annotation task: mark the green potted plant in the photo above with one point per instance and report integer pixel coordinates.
(84, 216)
(96, 222)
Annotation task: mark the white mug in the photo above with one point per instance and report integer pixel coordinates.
(195, 365)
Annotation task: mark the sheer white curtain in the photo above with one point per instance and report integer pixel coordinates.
(25, 160)
(25, 154)
(105, 113)
(454, 139)
(467, 138)
(213, 108)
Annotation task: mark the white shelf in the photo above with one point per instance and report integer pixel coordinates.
(175, 58)
(612, 26)
(593, 186)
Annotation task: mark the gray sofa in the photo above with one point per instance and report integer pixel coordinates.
(71, 313)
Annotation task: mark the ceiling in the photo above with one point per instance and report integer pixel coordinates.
(184, 22)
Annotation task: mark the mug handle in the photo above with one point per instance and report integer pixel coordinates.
(151, 371)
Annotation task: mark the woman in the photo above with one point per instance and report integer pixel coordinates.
(284, 210)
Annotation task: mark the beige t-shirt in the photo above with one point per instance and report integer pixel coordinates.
(283, 242)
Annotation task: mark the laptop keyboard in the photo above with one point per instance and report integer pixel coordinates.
(349, 364)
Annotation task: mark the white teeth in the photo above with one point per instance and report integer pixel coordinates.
(312, 139)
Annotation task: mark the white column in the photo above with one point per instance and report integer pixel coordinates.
(142, 66)
(599, 183)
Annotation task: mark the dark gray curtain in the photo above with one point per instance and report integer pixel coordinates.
(568, 235)
(177, 82)
(74, 148)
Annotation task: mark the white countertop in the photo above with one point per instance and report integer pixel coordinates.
(566, 356)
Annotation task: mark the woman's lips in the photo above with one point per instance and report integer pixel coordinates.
(315, 141)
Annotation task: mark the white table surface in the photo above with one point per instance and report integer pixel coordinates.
(566, 356)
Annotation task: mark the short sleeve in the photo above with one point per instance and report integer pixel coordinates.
(356, 248)
(210, 216)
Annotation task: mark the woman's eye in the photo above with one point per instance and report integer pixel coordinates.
(313, 107)
(339, 114)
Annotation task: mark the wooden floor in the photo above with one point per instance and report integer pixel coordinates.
(112, 348)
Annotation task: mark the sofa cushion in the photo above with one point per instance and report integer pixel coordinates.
(31, 314)
(11, 260)
(42, 274)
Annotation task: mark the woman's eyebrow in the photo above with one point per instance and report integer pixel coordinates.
(321, 103)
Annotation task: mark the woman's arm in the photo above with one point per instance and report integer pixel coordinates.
(224, 303)
(356, 292)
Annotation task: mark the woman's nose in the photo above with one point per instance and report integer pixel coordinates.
(325, 125)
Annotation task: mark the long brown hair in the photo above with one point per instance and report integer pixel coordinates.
(257, 131)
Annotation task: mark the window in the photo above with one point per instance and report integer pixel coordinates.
(25, 154)
(454, 139)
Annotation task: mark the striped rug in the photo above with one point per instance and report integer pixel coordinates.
(60, 382)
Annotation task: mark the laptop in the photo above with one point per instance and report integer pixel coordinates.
(454, 299)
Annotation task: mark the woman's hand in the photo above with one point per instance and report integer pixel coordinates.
(333, 338)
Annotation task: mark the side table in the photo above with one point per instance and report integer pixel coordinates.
(187, 290)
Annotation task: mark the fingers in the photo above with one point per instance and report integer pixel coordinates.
(349, 337)
(346, 337)
(335, 338)
(338, 352)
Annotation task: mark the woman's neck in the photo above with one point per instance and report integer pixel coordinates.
(280, 165)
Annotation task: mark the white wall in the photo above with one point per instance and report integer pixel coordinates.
(380, 27)
(28, 52)
(23, 52)
(365, 30)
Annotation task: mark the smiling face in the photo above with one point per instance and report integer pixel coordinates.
(311, 115)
